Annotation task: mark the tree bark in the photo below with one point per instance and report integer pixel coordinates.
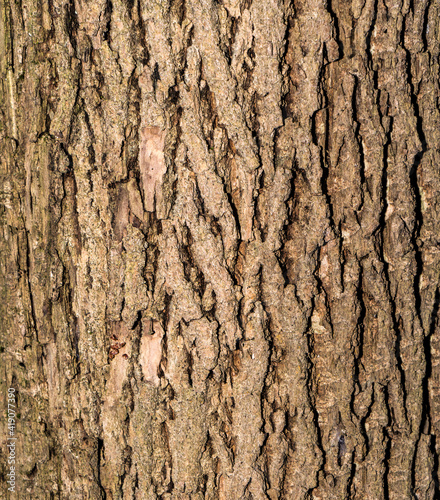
(220, 248)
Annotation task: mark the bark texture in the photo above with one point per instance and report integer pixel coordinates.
(220, 248)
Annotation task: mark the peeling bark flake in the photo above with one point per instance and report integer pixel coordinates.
(152, 166)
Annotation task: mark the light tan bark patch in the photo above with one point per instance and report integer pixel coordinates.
(152, 165)
(151, 352)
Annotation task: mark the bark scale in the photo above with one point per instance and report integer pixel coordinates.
(220, 252)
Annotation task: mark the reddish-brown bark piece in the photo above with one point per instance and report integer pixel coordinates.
(152, 165)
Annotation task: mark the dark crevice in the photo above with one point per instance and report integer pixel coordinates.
(285, 87)
(33, 325)
(342, 449)
(384, 179)
(145, 58)
(324, 188)
(165, 313)
(155, 76)
(313, 128)
(363, 421)
(358, 139)
(245, 4)
(397, 327)
(33, 472)
(368, 39)
(325, 160)
(268, 379)
(380, 243)
(328, 316)
(284, 466)
(234, 213)
(128, 452)
(336, 26)
(360, 330)
(386, 437)
(100, 453)
(198, 199)
(189, 370)
(72, 24)
(425, 25)
(281, 259)
(137, 320)
(77, 106)
(130, 5)
(240, 314)
(107, 20)
(8, 52)
(341, 255)
(415, 187)
(425, 421)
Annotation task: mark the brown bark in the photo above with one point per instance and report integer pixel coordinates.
(220, 254)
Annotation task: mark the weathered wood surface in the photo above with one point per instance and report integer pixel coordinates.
(220, 248)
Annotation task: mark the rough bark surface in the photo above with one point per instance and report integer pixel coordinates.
(220, 248)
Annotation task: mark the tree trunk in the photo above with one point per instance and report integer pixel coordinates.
(220, 248)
